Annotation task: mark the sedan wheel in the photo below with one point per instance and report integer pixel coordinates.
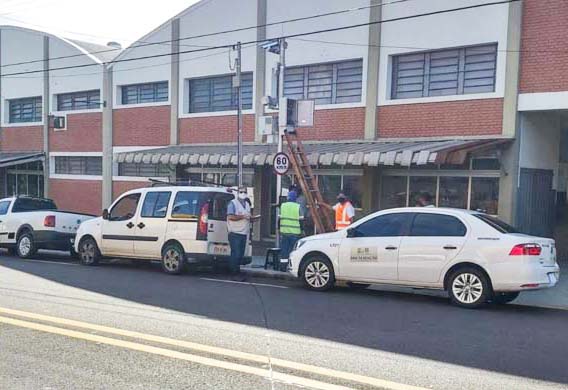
(469, 288)
(173, 259)
(318, 274)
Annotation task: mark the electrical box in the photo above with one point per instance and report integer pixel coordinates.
(268, 125)
(58, 122)
(305, 113)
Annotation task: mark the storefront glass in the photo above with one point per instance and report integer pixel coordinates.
(420, 185)
(453, 192)
(485, 194)
(393, 192)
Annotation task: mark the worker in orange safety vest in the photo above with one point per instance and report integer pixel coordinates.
(344, 212)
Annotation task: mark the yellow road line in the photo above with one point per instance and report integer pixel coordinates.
(277, 376)
(217, 351)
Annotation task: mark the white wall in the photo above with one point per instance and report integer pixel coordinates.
(454, 29)
(540, 141)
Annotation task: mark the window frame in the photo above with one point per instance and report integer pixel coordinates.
(86, 168)
(247, 95)
(74, 96)
(36, 109)
(139, 194)
(427, 76)
(294, 73)
(138, 89)
(159, 194)
(418, 214)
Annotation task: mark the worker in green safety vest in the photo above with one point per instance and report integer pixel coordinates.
(291, 215)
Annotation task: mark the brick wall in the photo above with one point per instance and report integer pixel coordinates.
(544, 47)
(336, 124)
(142, 126)
(457, 118)
(215, 129)
(83, 196)
(120, 187)
(23, 139)
(83, 134)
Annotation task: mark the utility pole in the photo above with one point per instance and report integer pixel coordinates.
(281, 129)
(237, 84)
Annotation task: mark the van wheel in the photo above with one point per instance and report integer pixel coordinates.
(502, 298)
(317, 274)
(469, 288)
(173, 259)
(25, 247)
(89, 253)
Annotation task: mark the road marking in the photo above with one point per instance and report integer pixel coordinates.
(45, 261)
(261, 372)
(217, 351)
(238, 282)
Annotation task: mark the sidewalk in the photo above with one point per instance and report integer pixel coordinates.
(556, 297)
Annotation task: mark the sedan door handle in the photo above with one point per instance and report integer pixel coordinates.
(141, 225)
(130, 225)
(450, 247)
(391, 248)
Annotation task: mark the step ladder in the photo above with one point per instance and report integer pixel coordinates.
(305, 176)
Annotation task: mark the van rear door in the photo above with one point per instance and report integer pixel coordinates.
(217, 233)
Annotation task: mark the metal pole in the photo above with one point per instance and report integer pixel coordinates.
(281, 128)
(239, 118)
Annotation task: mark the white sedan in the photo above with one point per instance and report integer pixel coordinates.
(475, 257)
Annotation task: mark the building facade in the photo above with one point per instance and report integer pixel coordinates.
(466, 103)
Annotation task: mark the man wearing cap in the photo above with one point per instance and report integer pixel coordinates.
(291, 215)
(238, 224)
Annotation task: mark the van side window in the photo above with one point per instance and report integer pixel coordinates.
(188, 204)
(155, 204)
(125, 208)
(4, 207)
(219, 203)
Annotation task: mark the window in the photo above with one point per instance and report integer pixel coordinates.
(420, 185)
(125, 208)
(331, 83)
(86, 100)
(331, 185)
(390, 225)
(155, 204)
(145, 93)
(218, 209)
(188, 204)
(453, 192)
(25, 179)
(78, 165)
(217, 93)
(393, 193)
(445, 72)
(496, 223)
(143, 170)
(33, 204)
(4, 207)
(430, 225)
(25, 110)
(485, 194)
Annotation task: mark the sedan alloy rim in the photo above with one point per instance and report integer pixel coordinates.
(317, 274)
(25, 246)
(171, 260)
(467, 288)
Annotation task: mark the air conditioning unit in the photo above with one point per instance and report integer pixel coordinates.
(268, 125)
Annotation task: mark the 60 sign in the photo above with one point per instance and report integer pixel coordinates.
(281, 163)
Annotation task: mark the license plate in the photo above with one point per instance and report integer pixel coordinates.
(219, 249)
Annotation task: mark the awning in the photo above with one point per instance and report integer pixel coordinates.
(14, 158)
(371, 153)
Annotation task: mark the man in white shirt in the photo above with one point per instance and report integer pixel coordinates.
(238, 224)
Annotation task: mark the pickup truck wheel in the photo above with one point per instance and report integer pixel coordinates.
(25, 247)
(173, 259)
(317, 274)
(89, 252)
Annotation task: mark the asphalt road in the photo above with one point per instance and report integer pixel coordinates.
(65, 326)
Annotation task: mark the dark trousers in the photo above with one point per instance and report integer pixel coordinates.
(238, 244)
(287, 242)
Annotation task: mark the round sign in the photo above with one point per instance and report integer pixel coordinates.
(281, 163)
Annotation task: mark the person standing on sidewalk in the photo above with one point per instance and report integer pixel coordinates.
(344, 212)
(290, 218)
(238, 224)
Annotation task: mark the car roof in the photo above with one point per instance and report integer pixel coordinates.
(431, 210)
(223, 190)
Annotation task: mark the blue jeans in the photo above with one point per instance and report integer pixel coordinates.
(238, 243)
(287, 242)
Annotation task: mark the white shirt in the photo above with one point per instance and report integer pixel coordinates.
(237, 208)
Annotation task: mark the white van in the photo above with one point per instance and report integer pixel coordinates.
(174, 224)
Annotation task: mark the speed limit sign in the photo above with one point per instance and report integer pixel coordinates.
(281, 163)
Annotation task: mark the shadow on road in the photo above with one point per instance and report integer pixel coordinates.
(523, 341)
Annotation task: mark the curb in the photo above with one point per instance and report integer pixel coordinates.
(267, 274)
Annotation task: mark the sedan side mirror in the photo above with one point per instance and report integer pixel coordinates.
(105, 214)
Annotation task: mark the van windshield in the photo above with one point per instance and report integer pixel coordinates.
(496, 223)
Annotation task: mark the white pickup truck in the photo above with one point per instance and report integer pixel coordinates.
(28, 224)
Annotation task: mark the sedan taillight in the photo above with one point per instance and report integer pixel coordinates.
(49, 221)
(526, 250)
